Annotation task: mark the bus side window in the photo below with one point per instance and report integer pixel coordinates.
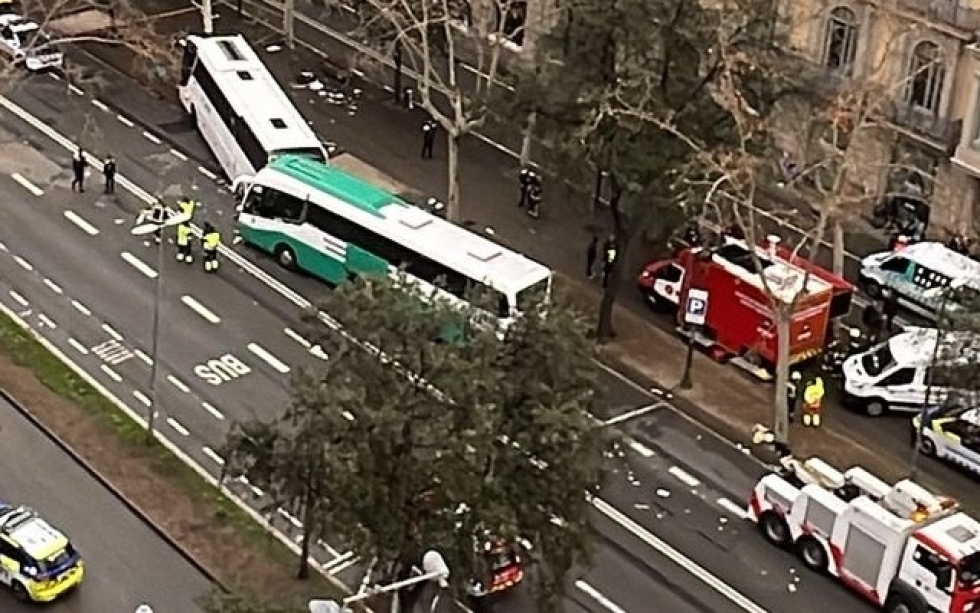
(254, 202)
(187, 62)
(899, 265)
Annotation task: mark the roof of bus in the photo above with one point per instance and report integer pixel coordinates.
(374, 208)
(258, 97)
(945, 261)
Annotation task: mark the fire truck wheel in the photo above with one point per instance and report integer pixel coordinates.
(812, 553)
(774, 528)
(899, 603)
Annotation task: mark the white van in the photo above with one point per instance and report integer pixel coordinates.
(916, 273)
(894, 375)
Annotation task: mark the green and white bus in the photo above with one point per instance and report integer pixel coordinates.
(334, 226)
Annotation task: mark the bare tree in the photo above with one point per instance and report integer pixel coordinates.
(435, 39)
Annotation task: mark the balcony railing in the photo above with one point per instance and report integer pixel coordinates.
(941, 129)
(950, 12)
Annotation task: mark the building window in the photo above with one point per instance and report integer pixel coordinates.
(840, 44)
(926, 77)
(512, 20)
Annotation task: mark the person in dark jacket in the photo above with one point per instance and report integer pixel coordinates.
(78, 166)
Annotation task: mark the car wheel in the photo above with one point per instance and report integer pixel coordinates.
(872, 289)
(875, 408)
(286, 257)
(20, 591)
(927, 446)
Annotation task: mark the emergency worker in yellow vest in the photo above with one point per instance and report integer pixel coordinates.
(211, 240)
(184, 238)
(188, 206)
(813, 395)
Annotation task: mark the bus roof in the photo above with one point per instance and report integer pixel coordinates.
(939, 258)
(253, 92)
(387, 215)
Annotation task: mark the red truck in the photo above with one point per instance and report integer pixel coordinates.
(739, 323)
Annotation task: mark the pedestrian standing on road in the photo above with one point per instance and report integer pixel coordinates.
(525, 179)
(184, 238)
(889, 309)
(534, 195)
(610, 253)
(211, 240)
(428, 138)
(109, 172)
(793, 394)
(813, 395)
(591, 253)
(78, 165)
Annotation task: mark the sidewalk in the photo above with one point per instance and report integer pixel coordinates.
(388, 137)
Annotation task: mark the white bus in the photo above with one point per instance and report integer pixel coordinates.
(334, 226)
(239, 108)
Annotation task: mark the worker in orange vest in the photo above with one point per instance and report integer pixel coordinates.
(813, 395)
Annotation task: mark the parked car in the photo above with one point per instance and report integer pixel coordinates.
(23, 42)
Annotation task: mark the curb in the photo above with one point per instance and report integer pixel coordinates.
(116, 493)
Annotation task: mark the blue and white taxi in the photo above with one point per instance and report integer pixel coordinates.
(37, 562)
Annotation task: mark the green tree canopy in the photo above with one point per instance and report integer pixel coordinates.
(436, 445)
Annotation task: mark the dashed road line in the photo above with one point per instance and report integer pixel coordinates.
(213, 455)
(81, 308)
(191, 303)
(641, 449)
(177, 154)
(82, 224)
(736, 510)
(256, 491)
(24, 263)
(298, 338)
(330, 549)
(268, 358)
(100, 105)
(178, 384)
(290, 518)
(54, 76)
(112, 374)
(207, 173)
(125, 121)
(599, 597)
(26, 184)
(80, 348)
(210, 408)
(112, 332)
(139, 264)
(47, 321)
(54, 287)
(683, 476)
(3, 247)
(336, 570)
(177, 426)
(19, 299)
(618, 419)
(75, 90)
(151, 137)
(317, 351)
(142, 398)
(142, 356)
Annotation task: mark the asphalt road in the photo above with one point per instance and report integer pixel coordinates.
(47, 250)
(127, 563)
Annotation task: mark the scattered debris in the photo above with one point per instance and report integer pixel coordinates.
(273, 48)
(641, 507)
(663, 493)
(722, 520)
(791, 587)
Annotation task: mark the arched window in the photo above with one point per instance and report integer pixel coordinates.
(926, 76)
(840, 41)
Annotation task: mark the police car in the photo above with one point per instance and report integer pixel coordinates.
(951, 434)
(25, 44)
(37, 562)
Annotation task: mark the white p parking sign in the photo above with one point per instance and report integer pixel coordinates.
(696, 307)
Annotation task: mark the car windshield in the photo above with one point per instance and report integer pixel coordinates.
(534, 295)
(57, 562)
(970, 570)
(877, 360)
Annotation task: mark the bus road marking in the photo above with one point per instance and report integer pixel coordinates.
(125, 121)
(20, 299)
(47, 321)
(207, 173)
(141, 355)
(210, 408)
(112, 374)
(211, 453)
(298, 338)
(200, 309)
(76, 90)
(139, 264)
(24, 263)
(179, 427)
(142, 398)
(112, 332)
(151, 137)
(54, 287)
(80, 348)
(82, 224)
(81, 308)
(268, 358)
(177, 154)
(100, 105)
(178, 384)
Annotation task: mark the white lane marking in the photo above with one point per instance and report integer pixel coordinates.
(618, 419)
(54, 76)
(683, 476)
(210, 408)
(142, 398)
(125, 121)
(178, 384)
(75, 90)
(139, 264)
(336, 570)
(207, 173)
(177, 154)
(599, 597)
(330, 549)
(641, 449)
(678, 558)
(268, 358)
(47, 321)
(80, 348)
(26, 184)
(81, 308)
(112, 332)
(83, 225)
(20, 299)
(338, 560)
(3, 247)
(317, 351)
(296, 337)
(112, 374)
(100, 105)
(146, 359)
(200, 309)
(179, 427)
(151, 137)
(349, 416)
(211, 453)
(290, 518)
(736, 510)
(54, 287)
(257, 492)
(24, 263)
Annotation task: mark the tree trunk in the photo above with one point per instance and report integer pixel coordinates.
(780, 419)
(308, 533)
(838, 231)
(453, 210)
(528, 137)
(605, 330)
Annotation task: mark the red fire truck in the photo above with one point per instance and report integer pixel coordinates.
(900, 546)
(739, 322)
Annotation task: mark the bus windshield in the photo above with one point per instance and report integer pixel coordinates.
(533, 296)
